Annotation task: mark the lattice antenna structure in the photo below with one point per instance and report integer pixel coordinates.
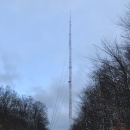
(70, 74)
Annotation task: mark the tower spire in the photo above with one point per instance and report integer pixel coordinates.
(70, 74)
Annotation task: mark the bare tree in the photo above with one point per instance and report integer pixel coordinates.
(21, 113)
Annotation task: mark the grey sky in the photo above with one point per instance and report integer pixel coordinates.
(34, 44)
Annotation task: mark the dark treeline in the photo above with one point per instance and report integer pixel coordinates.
(105, 102)
(21, 113)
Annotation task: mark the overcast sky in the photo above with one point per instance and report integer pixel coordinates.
(34, 37)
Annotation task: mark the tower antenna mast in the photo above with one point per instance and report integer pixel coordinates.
(70, 75)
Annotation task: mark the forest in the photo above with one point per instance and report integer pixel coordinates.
(105, 101)
(21, 112)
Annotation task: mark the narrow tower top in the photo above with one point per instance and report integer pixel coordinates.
(70, 15)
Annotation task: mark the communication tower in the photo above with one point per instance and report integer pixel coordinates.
(70, 75)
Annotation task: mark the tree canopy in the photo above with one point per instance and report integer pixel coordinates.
(21, 113)
(105, 102)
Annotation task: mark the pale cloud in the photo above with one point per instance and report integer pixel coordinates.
(9, 74)
(48, 95)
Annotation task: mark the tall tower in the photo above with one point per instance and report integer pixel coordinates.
(70, 75)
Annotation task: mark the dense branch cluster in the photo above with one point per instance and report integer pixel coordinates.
(105, 102)
(21, 113)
